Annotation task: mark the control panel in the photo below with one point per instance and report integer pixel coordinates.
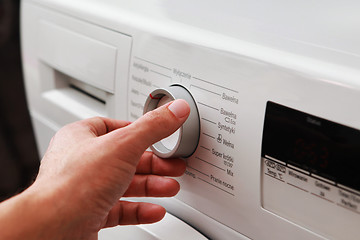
(252, 160)
(213, 107)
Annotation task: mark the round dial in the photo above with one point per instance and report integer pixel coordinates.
(184, 141)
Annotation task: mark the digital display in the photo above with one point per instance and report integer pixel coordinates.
(318, 146)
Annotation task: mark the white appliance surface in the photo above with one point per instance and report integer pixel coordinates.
(243, 62)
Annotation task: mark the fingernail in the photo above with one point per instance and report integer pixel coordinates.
(180, 108)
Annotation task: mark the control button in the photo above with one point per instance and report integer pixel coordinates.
(184, 141)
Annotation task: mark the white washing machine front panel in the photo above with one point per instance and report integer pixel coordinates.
(104, 58)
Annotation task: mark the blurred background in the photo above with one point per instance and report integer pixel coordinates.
(19, 160)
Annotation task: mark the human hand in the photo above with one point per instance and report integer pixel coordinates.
(91, 164)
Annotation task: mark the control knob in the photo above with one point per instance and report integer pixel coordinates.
(184, 141)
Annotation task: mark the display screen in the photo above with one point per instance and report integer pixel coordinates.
(316, 145)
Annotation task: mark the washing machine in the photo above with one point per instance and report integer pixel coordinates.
(276, 90)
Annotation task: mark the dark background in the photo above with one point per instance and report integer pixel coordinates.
(19, 160)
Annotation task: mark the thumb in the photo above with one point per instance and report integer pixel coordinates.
(155, 125)
(161, 122)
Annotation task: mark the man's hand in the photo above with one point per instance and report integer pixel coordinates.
(89, 166)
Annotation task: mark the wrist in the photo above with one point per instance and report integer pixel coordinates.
(62, 209)
(29, 215)
(40, 212)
